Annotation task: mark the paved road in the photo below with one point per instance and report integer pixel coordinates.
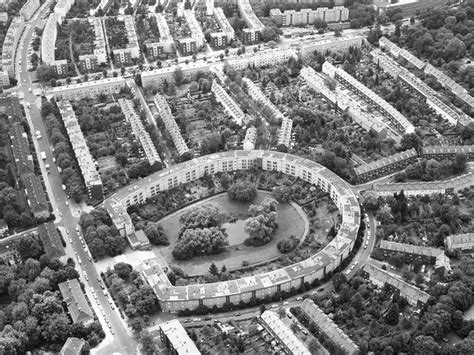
(68, 215)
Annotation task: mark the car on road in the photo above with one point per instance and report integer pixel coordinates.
(285, 303)
(208, 318)
(187, 321)
(238, 314)
(67, 203)
(197, 319)
(60, 214)
(321, 290)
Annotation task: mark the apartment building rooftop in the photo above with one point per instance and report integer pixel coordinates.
(51, 240)
(392, 159)
(139, 130)
(170, 124)
(448, 149)
(72, 346)
(179, 338)
(21, 149)
(165, 35)
(284, 136)
(250, 138)
(48, 39)
(328, 327)
(252, 21)
(196, 32)
(460, 241)
(284, 334)
(78, 142)
(229, 104)
(223, 22)
(426, 188)
(412, 293)
(36, 196)
(76, 301)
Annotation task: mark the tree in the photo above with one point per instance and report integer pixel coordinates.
(6, 276)
(423, 344)
(314, 347)
(392, 314)
(410, 140)
(148, 345)
(178, 76)
(213, 270)
(123, 270)
(29, 247)
(338, 280)
(261, 225)
(242, 191)
(45, 73)
(287, 244)
(268, 34)
(155, 234)
(207, 215)
(320, 23)
(205, 241)
(281, 312)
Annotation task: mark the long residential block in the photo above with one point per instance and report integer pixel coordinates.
(84, 158)
(380, 277)
(37, 199)
(10, 43)
(230, 106)
(396, 118)
(138, 129)
(258, 96)
(254, 28)
(460, 242)
(448, 152)
(344, 103)
(170, 124)
(92, 61)
(175, 298)
(226, 34)
(21, 149)
(88, 89)
(176, 339)
(305, 17)
(196, 32)
(420, 188)
(385, 166)
(29, 9)
(329, 328)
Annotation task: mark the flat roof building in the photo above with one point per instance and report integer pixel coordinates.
(175, 298)
(139, 131)
(48, 39)
(284, 136)
(230, 106)
(283, 334)
(385, 166)
(448, 152)
(420, 188)
(258, 96)
(51, 240)
(84, 158)
(72, 346)
(380, 277)
(165, 36)
(306, 17)
(85, 89)
(329, 328)
(170, 124)
(399, 121)
(37, 198)
(76, 301)
(176, 339)
(196, 32)
(29, 9)
(460, 242)
(250, 138)
(10, 43)
(21, 149)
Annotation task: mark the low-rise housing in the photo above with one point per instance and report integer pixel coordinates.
(91, 62)
(258, 96)
(85, 89)
(21, 149)
(176, 339)
(407, 8)
(380, 277)
(399, 121)
(284, 136)
(76, 301)
(72, 346)
(250, 138)
(157, 77)
(420, 188)
(165, 36)
(37, 198)
(306, 17)
(448, 152)
(29, 9)
(434, 256)
(139, 131)
(10, 43)
(84, 158)
(307, 48)
(385, 166)
(283, 334)
(329, 328)
(170, 124)
(265, 58)
(230, 106)
(51, 240)
(460, 242)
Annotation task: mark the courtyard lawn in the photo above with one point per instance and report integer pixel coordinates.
(291, 221)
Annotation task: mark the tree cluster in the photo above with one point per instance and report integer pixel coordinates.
(131, 293)
(429, 170)
(36, 315)
(261, 224)
(288, 244)
(65, 159)
(101, 235)
(243, 191)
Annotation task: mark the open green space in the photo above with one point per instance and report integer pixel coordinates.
(291, 221)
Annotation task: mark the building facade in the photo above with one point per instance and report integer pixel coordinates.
(306, 17)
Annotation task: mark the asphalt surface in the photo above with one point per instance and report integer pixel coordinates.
(118, 337)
